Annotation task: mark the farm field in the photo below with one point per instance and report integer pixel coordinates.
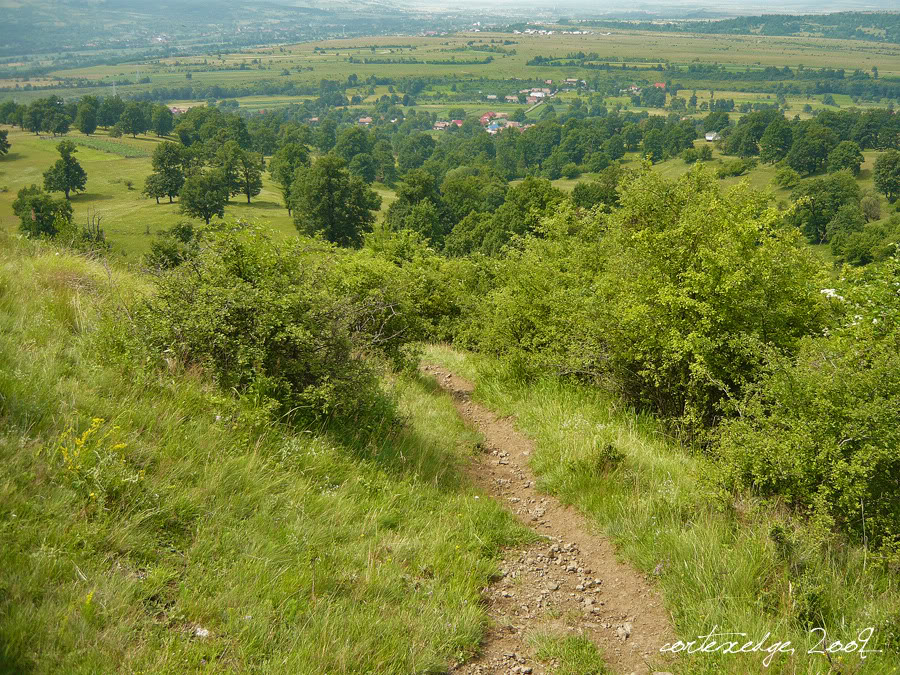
(306, 64)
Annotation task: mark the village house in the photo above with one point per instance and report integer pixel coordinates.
(365, 121)
(713, 136)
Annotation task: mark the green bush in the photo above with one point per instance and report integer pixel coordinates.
(265, 320)
(735, 167)
(673, 299)
(822, 430)
(697, 286)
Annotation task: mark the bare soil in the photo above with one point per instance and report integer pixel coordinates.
(569, 582)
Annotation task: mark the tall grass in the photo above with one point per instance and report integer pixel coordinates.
(197, 536)
(749, 567)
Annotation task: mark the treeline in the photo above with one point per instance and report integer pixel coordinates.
(54, 116)
(873, 26)
(429, 62)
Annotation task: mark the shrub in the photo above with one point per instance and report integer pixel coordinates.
(571, 170)
(696, 287)
(821, 430)
(735, 167)
(264, 320)
(786, 177)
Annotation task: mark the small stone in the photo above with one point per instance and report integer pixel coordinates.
(201, 632)
(527, 670)
(553, 586)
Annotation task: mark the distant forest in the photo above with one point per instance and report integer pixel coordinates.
(879, 26)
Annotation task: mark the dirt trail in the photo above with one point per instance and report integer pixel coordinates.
(569, 582)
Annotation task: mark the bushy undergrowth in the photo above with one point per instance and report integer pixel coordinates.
(822, 429)
(674, 299)
(705, 307)
(294, 324)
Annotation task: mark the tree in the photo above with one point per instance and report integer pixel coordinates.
(846, 155)
(162, 121)
(204, 195)
(465, 190)
(66, 175)
(810, 149)
(86, 118)
(385, 169)
(351, 142)
(110, 110)
(59, 124)
(327, 200)
(283, 167)
(4, 143)
(132, 120)
(227, 160)
(168, 171)
(326, 135)
(653, 145)
(818, 201)
(39, 213)
(601, 191)
(776, 141)
(871, 206)
(413, 151)
(155, 186)
(887, 174)
(848, 219)
(716, 121)
(363, 165)
(249, 168)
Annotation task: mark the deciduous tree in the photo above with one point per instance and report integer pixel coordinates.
(66, 175)
(40, 214)
(204, 195)
(329, 201)
(887, 174)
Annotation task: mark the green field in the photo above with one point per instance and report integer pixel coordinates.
(128, 218)
(305, 65)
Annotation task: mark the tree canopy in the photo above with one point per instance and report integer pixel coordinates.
(66, 175)
(328, 200)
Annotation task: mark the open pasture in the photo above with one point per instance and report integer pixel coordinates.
(128, 218)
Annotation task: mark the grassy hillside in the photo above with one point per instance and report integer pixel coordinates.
(149, 523)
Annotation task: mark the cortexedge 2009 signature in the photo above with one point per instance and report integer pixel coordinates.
(733, 643)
